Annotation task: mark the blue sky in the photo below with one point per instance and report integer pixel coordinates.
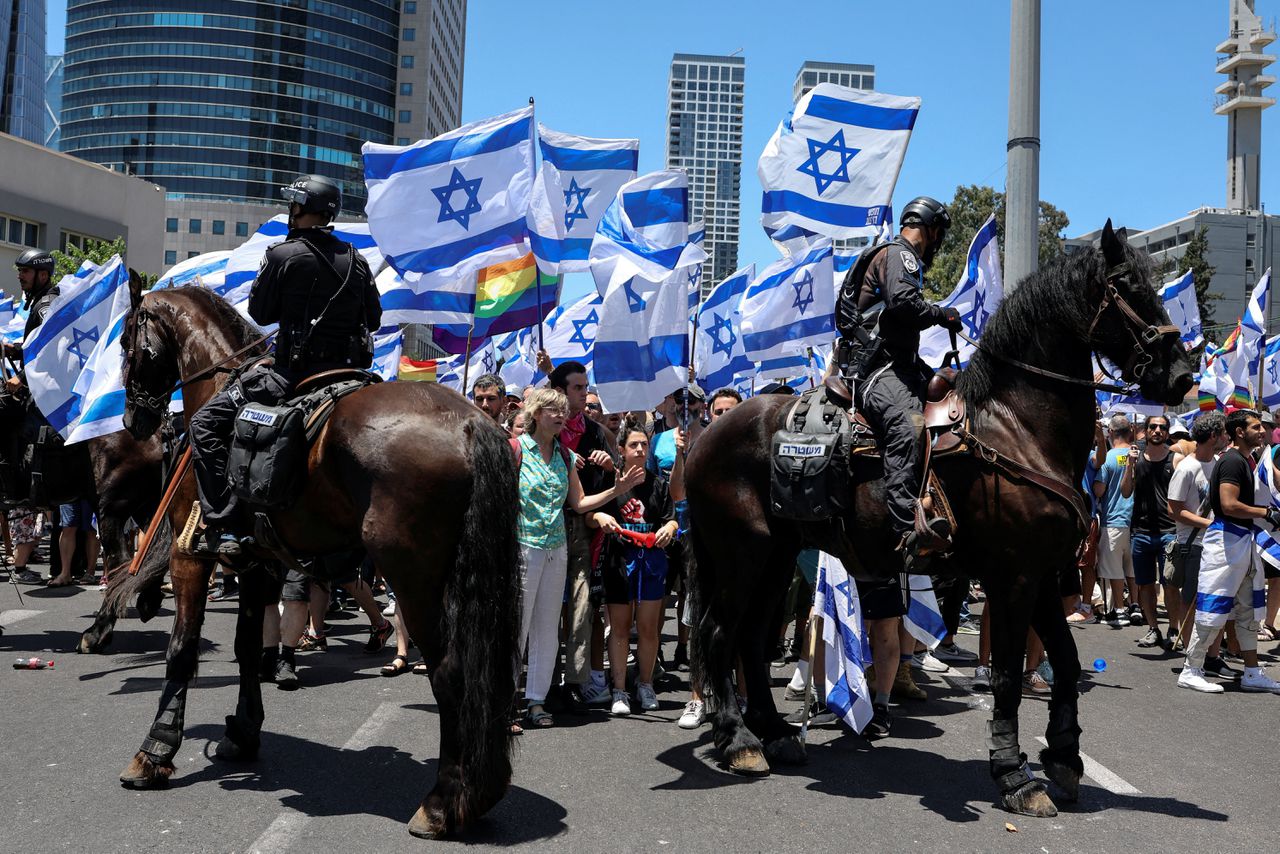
(1127, 123)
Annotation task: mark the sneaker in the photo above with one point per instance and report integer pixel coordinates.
(1217, 667)
(1153, 637)
(982, 678)
(878, 726)
(1046, 671)
(694, 714)
(819, 715)
(954, 652)
(312, 643)
(779, 655)
(927, 662)
(26, 576)
(596, 695)
(1194, 679)
(1082, 614)
(793, 694)
(378, 637)
(286, 676)
(390, 610)
(1256, 679)
(1033, 683)
(970, 626)
(621, 703)
(904, 686)
(1115, 619)
(1135, 616)
(648, 699)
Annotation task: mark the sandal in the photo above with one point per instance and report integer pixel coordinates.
(541, 719)
(516, 729)
(420, 669)
(53, 582)
(1268, 633)
(398, 665)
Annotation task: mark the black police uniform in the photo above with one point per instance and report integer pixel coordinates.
(321, 292)
(891, 397)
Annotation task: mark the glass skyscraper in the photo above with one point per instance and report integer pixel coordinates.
(229, 100)
(22, 53)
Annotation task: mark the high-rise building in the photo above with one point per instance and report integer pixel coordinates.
(704, 138)
(22, 24)
(53, 101)
(429, 86)
(1240, 99)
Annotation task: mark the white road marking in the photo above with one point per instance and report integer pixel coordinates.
(1102, 775)
(17, 615)
(284, 831)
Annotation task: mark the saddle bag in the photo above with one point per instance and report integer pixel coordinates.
(809, 465)
(268, 455)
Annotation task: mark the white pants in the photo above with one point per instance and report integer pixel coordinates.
(542, 575)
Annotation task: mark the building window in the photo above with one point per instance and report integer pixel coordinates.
(242, 229)
(193, 226)
(20, 232)
(405, 116)
(192, 253)
(219, 227)
(409, 34)
(406, 61)
(411, 7)
(1248, 265)
(171, 225)
(79, 241)
(170, 257)
(402, 140)
(406, 88)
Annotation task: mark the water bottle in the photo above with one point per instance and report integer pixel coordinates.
(31, 664)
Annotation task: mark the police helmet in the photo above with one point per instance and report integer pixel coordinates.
(315, 194)
(925, 212)
(36, 259)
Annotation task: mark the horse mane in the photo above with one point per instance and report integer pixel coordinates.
(1055, 297)
(223, 312)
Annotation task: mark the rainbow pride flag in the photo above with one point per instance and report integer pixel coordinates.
(415, 371)
(506, 300)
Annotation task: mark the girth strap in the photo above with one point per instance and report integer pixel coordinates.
(1019, 471)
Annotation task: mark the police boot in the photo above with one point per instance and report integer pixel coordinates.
(217, 543)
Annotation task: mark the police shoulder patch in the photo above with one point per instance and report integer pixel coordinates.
(909, 262)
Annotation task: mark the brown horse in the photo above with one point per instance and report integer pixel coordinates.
(1013, 534)
(409, 472)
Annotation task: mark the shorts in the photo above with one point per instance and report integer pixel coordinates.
(1115, 556)
(77, 514)
(1069, 582)
(1148, 552)
(881, 600)
(638, 575)
(1186, 570)
(25, 526)
(297, 587)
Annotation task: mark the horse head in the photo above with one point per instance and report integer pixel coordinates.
(1131, 327)
(150, 370)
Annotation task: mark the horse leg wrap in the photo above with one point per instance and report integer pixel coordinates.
(165, 737)
(1008, 764)
(1063, 732)
(1013, 780)
(1002, 737)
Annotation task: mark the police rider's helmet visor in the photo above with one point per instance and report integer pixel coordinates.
(296, 195)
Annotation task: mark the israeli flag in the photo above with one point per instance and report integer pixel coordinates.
(208, 270)
(80, 319)
(831, 168)
(976, 296)
(782, 367)
(1243, 361)
(1179, 298)
(848, 650)
(570, 331)
(518, 371)
(717, 346)
(12, 321)
(1225, 557)
(441, 209)
(581, 177)
(450, 371)
(244, 262)
(642, 345)
(791, 306)
(645, 232)
(924, 618)
(388, 345)
(693, 273)
(1270, 393)
(1267, 494)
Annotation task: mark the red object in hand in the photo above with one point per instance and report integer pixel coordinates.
(31, 664)
(644, 541)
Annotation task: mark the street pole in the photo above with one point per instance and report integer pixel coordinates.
(1022, 186)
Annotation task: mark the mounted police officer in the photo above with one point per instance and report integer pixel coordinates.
(35, 276)
(321, 292)
(880, 313)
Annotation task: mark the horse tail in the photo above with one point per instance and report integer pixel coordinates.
(707, 638)
(123, 587)
(483, 616)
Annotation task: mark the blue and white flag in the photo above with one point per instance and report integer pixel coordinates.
(1225, 557)
(848, 651)
(924, 618)
(451, 372)
(642, 345)
(1267, 494)
(441, 209)
(12, 321)
(791, 305)
(976, 295)
(782, 367)
(645, 232)
(581, 177)
(718, 352)
(1271, 373)
(831, 168)
(207, 270)
(1179, 298)
(244, 262)
(693, 273)
(569, 333)
(1243, 361)
(388, 345)
(80, 319)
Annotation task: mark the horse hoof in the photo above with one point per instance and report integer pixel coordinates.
(88, 645)
(1030, 799)
(788, 750)
(1065, 772)
(426, 825)
(143, 773)
(749, 763)
(229, 751)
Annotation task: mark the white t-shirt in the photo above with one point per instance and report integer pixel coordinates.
(1190, 485)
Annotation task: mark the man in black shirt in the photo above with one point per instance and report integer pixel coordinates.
(1147, 480)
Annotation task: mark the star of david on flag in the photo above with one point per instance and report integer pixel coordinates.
(1179, 298)
(645, 232)
(777, 319)
(831, 168)
(580, 327)
(976, 296)
(471, 204)
(718, 355)
(804, 292)
(78, 341)
(1271, 373)
(848, 650)
(575, 199)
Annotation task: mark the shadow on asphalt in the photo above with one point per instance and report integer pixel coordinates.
(318, 780)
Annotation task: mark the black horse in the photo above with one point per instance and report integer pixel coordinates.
(1016, 499)
(412, 474)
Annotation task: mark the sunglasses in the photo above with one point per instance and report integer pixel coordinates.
(594, 407)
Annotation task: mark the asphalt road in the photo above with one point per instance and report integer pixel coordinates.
(347, 758)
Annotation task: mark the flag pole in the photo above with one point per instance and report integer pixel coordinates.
(537, 273)
(466, 359)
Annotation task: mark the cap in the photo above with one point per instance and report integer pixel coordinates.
(695, 391)
(1177, 428)
(776, 388)
(516, 391)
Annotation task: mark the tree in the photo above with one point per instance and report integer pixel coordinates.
(96, 251)
(1195, 259)
(969, 209)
